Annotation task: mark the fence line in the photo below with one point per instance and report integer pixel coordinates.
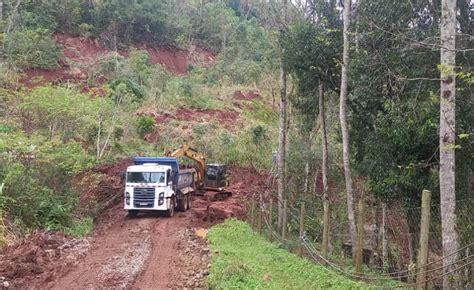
(402, 231)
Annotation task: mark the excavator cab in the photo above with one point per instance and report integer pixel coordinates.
(215, 176)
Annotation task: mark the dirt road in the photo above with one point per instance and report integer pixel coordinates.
(147, 252)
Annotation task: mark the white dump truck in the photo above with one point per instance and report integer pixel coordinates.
(158, 184)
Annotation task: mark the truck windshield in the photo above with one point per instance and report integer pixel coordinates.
(146, 177)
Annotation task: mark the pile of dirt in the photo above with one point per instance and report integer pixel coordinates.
(38, 256)
(244, 182)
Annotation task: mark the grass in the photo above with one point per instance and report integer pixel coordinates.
(241, 259)
(80, 228)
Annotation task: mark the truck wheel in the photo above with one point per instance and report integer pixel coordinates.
(186, 202)
(170, 212)
(190, 200)
(132, 213)
(182, 203)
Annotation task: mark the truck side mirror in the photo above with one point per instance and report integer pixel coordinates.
(122, 176)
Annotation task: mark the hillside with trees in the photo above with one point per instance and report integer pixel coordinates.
(317, 107)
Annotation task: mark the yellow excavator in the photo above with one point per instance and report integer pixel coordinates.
(211, 177)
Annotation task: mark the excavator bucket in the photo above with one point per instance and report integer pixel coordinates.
(215, 177)
(221, 195)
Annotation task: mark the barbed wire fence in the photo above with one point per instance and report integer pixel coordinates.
(391, 240)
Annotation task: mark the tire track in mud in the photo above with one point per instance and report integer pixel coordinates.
(158, 270)
(118, 254)
(146, 252)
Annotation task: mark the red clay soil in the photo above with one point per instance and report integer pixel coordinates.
(247, 96)
(107, 187)
(39, 77)
(175, 61)
(86, 53)
(227, 119)
(38, 257)
(83, 50)
(241, 98)
(146, 252)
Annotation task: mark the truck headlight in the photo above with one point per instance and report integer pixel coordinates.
(127, 198)
(161, 198)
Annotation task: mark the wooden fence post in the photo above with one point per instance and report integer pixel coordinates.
(260, 209)
(283, 226)
(300, 241)
(325, 246)
(270, 210)
(384, 237)
(252, 212)
(424, 237)
(360, 237)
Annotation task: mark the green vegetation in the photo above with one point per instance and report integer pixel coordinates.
(51, 135)
(241, 259)
(32, 49)
(43, 145)
(393, 96)
(145, 125)
(80, 228)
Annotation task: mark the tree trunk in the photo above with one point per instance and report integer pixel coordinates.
(224, 43)
(447, 137)
(324, 139)
(282, 130)
(281, 160)
(306, 177)
(345, 129)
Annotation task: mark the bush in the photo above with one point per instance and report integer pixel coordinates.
(59, 111)
(124, 91)
(145, 125)
(32, 49)
(37, 177)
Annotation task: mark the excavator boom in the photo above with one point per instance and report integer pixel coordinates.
(186, 151)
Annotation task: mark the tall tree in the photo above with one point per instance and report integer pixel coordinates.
(344, 125)
(447, 136)
(324, 139)
(281, 158)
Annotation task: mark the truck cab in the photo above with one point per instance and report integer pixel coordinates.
(157, 184)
